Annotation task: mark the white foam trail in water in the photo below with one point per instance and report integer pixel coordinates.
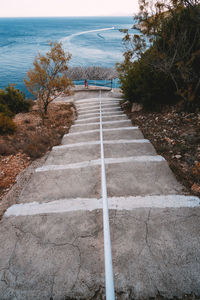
(67, 38)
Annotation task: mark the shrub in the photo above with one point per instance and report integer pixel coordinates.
(6, 124)
(14, 100)
(142, 84)
(5, 110)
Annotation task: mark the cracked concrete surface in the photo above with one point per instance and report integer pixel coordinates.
(156, 250)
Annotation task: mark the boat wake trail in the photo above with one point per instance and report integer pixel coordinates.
(68, 38)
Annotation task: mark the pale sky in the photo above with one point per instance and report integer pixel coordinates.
(44, 8)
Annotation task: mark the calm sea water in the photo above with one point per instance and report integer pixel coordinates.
(91, 41)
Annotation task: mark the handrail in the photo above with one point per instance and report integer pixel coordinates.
(109, 281)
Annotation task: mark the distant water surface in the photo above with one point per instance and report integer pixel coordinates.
(91, 41)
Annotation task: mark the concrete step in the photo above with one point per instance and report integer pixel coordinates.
(93, 135)
(73, 155)
(81, 112)
(62, 184)
(96, 125)
(141, 178)
(96, 118)
(61, 155)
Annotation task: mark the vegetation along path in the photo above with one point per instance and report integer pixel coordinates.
(52, 240)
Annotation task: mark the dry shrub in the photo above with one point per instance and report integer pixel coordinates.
(34, 138)
(6, 124)
(34, 150)
(6, 149)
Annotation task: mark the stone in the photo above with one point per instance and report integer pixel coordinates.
(136, 107)
(195, 188)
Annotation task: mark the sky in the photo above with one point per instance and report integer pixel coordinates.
(58, 8)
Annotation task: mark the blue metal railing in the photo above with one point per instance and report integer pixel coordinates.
(114, 83)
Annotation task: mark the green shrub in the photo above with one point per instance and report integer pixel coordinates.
(5, 110)
(6, 124)
(142, 84)
(14, 100)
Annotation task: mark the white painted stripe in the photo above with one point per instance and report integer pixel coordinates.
(97, 130)
(111, 142)
(96, 106)
(104, 113)
(76, 145)
(83, 164)
(88, 111)
(90, 204)
(97, 110)
(98, 123)
(96, 162)
(87, 119)
(58, 206)
(113, 112)
(142, 158)
(85, 106)
(96, 102)
(97, 117)
(81, 132)
(139, 141)
(96, 99)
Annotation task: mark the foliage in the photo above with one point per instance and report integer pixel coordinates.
(6, 124)
(48, 80)
(12, 101)
(172, 28)
(141, 84)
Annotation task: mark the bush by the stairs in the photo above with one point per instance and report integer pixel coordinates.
(6, 124)
(142, 84)
(13, 100)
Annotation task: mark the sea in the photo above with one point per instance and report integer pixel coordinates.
(91, 41)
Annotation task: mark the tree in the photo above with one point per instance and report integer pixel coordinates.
(171, 30)
(91, 73)
(47, 80)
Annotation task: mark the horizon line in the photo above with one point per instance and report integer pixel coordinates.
(82, 16)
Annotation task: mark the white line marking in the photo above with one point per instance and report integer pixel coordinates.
(142, 158)
(139, 141)
(97, 106)
(111, 142)
(76, 145)
(86, 119)
(81, 132)
(96, 162)
(105, 122)
(90, 204)
(97, 130)
(104, 113)
(114, 110)
(58, 206)
(97, 100)
(97, 117)
(84, 164)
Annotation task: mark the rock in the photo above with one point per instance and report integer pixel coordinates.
(136, 107)
(195, 188)
(178, 156)
(124, 104)
(168, 140)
